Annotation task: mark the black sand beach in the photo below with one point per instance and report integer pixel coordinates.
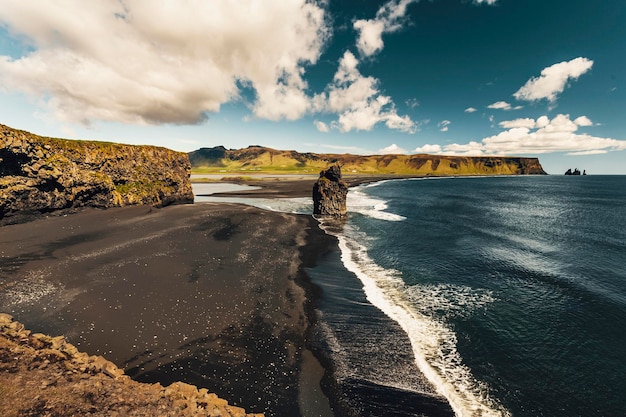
(207, 294)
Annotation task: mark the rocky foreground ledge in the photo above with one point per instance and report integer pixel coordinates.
(47, 376)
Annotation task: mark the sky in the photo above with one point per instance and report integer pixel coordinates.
(531, 78)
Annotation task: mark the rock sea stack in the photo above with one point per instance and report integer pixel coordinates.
(329, 193)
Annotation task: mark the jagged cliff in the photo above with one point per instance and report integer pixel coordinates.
(257, 158)
(40, 174)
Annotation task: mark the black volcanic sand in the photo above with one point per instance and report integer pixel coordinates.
(206, 293)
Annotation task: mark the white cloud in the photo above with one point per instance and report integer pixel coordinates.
(432, 149)
(470, 110)
(583, 121)
(388, 19)
(321, 126)
(542, 121)
(553, 80)
(163, 62)
(510, 124)
(528, 136)
(392, 149)
(500, 105)
(370, 36)
(396, 122)
(443, 125)
(358, 102)
(468, 149)
(488, 2)
(503, 105)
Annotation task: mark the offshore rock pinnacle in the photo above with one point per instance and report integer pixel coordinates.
(329, 193)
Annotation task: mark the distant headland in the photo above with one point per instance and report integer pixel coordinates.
(254, 159)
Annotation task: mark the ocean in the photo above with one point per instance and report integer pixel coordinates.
(495, 296)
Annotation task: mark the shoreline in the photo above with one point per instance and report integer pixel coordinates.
(308, 242)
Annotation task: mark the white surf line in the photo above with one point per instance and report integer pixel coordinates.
(434, 346)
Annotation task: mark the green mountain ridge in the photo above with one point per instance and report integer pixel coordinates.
(267, 160)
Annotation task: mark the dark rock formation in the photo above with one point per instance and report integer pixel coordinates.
(575, 172)
(40, 175)
(329, 193)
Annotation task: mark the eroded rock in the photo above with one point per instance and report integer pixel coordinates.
(329, 193)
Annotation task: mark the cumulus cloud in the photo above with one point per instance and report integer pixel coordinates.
(163, 62)
(544, 135)
(470, 110)
(358, 101)
(389, 18)
(583, 121)
(321, 126)
(553, 80)
(443, 125)
(392, 149)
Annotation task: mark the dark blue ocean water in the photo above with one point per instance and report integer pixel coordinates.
(508, 295)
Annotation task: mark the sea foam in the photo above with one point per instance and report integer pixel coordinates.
(433, 343)
(359, 202)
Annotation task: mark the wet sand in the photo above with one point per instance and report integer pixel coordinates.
(210, 294)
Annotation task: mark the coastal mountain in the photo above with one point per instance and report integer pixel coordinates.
(261, 159)
(40, 175)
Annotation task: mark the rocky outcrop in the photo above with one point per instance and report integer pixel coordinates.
(47, 376)
(575, 172)
(329, 193)
(39, 174)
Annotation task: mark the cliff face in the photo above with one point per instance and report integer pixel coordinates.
(257, 158)
(329, 193)
(39, 174)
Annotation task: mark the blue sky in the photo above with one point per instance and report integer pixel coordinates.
(485, 77)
